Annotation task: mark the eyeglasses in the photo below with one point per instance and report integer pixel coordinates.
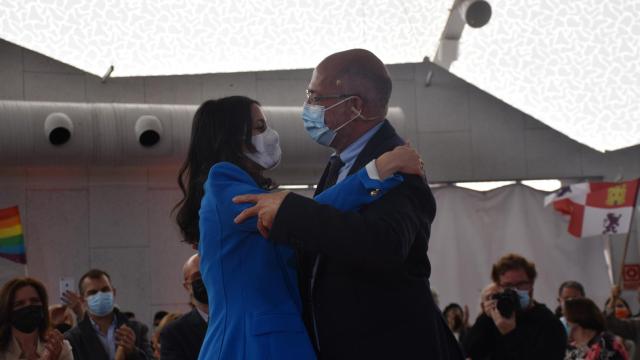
(523, 285)
(312, 99)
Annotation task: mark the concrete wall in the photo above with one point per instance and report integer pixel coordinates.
(117, 218)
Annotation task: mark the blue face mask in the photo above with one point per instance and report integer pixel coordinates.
(314, 123)
(100, 303)
(524, 297)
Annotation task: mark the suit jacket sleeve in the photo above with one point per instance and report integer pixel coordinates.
(357, 190)
(73, 337)
(170, 348)
(481, 338)
(227, 181)
(627, 328)
(379, 236)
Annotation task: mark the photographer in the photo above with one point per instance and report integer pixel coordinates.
(513, 325)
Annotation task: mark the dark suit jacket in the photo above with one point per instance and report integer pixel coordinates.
(538, 335)
(182, 338)
(371, 297)
(87, 346)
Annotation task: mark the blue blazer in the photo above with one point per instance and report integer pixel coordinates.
(255, 311)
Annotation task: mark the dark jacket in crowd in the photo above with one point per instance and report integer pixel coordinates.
(462, 336)
(181, 339)
(625, 328)
(538, 335)
(87, 346)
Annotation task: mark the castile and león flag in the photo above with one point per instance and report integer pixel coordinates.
(597, 208)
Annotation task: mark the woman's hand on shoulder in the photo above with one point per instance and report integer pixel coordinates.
(403, 158)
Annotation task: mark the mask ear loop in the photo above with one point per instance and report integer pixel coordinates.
(360, 115)
(350, 121)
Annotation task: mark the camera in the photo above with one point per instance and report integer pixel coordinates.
(507, 302)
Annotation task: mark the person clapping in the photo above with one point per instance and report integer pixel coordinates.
(24, 323)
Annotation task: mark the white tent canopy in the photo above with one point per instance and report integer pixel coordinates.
(573, 65)
(201, 36)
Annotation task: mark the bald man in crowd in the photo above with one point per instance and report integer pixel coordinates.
(182, 338)
(364, 276)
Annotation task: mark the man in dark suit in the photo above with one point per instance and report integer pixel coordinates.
(364, 277)
(104, 330)
(182, 338)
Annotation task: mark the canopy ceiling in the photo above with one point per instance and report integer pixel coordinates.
(574, 65)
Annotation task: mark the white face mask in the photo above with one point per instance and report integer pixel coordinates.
(268, 152)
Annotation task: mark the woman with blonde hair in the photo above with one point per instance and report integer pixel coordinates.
(155, 339)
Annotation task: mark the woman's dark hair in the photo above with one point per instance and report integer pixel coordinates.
(7, 301)
(220, 130)
(585, 313)
(571, 285)
(623, 301)
(450, 307)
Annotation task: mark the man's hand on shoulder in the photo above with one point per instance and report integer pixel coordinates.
(266, 207)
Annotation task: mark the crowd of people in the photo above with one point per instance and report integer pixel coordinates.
(342, 275)
(89, 325)
(511, 325)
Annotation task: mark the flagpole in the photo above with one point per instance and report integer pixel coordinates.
(607, 258)
(626, 245)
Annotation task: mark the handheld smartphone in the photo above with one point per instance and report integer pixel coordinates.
(66, 283)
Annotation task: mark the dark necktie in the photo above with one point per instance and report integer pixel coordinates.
(335, 164)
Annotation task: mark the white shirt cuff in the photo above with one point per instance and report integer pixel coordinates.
(372, 170)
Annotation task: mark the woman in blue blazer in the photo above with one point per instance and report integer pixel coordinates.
(254, 303)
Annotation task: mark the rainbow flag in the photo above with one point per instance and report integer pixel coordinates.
(11, 239)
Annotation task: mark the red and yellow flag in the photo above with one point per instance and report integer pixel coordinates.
(597, 208)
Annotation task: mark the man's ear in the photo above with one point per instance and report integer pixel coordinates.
(357, 105)
(114, 292)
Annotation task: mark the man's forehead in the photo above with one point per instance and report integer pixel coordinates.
(191, 266)
(514, 275)
(192, 273)
(91, 282)
(323, 80)
(569, 292)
